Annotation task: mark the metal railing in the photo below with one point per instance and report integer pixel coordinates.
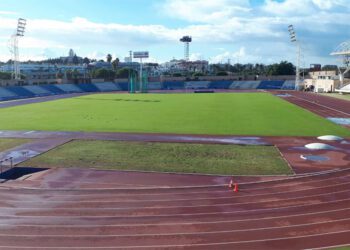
(10, 159)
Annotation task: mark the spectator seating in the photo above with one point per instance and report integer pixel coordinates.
(220, 84)
(21, 92)
(18, 92)
(270, 85)
(289, 85)
(53, 89)
(69, 88)
(37, 90)
(173, 85)
(87, 87)
(197, 85)
(244, 85)
(6, 94)
(107, 86)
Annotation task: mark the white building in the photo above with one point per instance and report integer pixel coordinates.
(175, 66)
(323, 81)
(70, 57)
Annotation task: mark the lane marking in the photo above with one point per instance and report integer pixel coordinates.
(189, 245)
(321, 105)
(170, 215)
(325, 195)
(16, 235)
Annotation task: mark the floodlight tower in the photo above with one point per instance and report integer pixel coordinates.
(343, 51)
(186, 40)
(293, 39)
(19, 32)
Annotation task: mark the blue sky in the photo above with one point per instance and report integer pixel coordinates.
(237, 30)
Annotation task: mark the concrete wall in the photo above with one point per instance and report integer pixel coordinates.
(4, 83)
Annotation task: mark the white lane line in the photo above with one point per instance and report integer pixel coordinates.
(177, 207)
(71, 202)
(16, 235)
(321, 105)
(169, 215)
(176, 223)
(9, 188)
(190, 245)
(29, 132)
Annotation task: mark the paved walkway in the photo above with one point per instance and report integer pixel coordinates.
(29, 150)
(19, 102)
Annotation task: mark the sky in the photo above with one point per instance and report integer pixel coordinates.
(242, 31)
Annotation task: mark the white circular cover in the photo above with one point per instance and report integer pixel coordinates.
(330, 138)
(319, 146)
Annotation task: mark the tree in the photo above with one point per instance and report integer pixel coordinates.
(330, 68)
(75, 59)
(221, 73)
(86, 60)
(5, 75)
(106, 74)
(109, 58)
(69, 74)
(115, 63)
(197, 74)
(282, 68)
(59, 75)
(125, 72)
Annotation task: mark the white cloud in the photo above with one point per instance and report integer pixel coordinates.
(304, 7)
(251, 32)
(196, 56)
(8, 13)
(207, 11)
(239, 56)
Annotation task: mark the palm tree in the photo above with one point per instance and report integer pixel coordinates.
(115, 63)
(109, 58)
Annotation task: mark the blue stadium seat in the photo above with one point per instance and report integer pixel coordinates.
(69, 88)
(21, 92)
(53, 89)
(220, 84)
(289, 85)
(271, 85)
(124, 86)
(244, 85)
(6, 94)
(37, 90)
(173, 85)
(107, 86)
(88, 87)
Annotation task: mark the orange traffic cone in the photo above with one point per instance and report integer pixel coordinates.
(235, 187)
(230, 185)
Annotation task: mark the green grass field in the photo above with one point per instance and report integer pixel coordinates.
(11, 143)
(166, 157)
(222, 113)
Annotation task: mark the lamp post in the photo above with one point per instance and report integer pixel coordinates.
(293, 39)
(21, 25)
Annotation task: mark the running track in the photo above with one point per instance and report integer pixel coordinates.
(295, 213)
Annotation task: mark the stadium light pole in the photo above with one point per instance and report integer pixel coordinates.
(21, 25)
(186, 40)
(293, 39)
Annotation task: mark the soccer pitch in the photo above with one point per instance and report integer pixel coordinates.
(221, 113)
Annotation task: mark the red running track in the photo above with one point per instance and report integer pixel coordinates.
(324, 106)
(295, 213)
